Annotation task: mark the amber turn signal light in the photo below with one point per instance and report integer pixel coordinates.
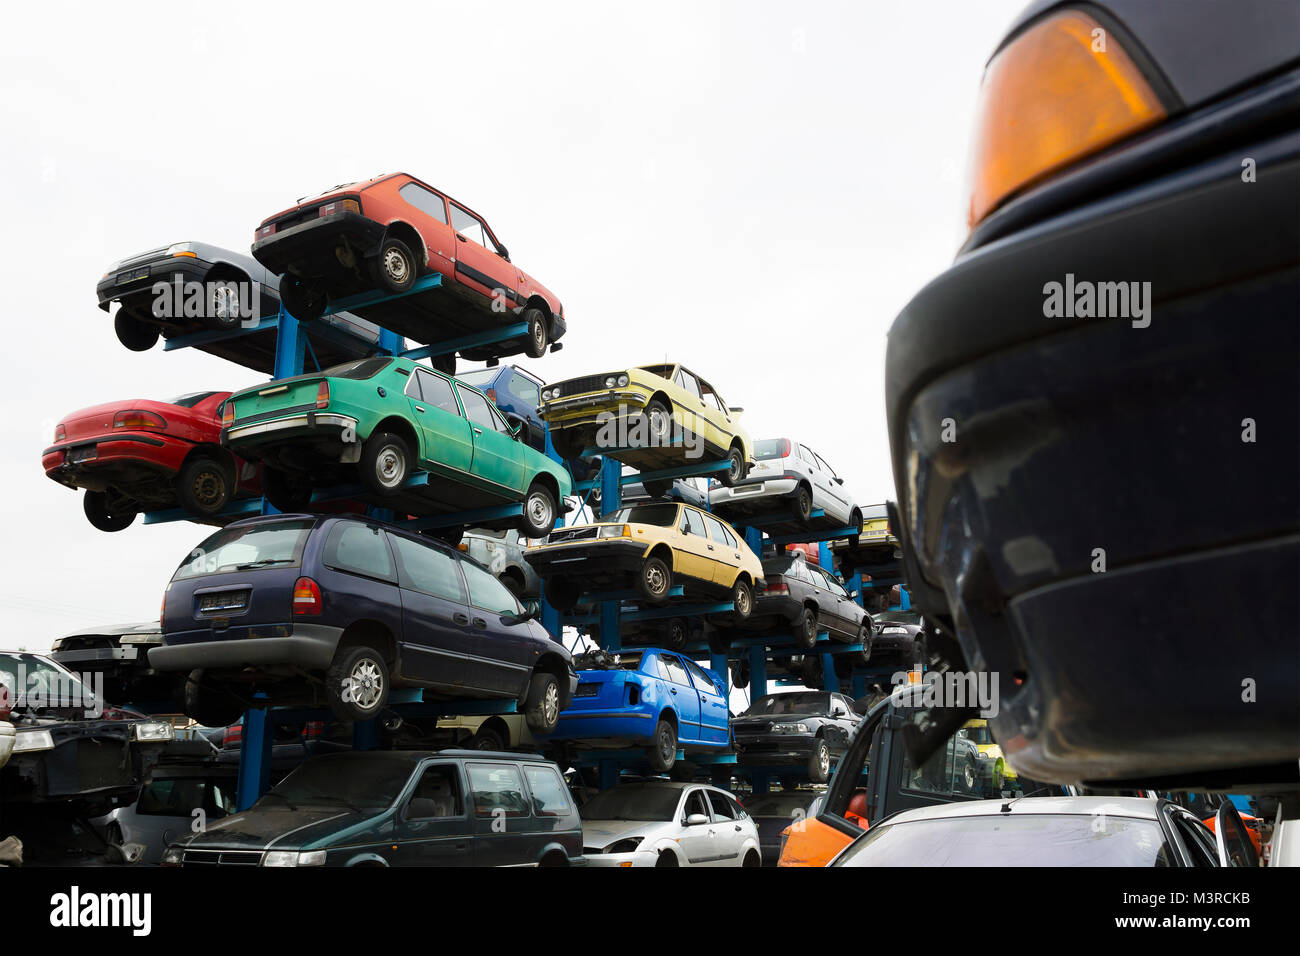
(1057, 93)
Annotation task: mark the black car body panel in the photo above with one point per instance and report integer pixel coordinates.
(757, 744)
(121, 655)
(805, 586)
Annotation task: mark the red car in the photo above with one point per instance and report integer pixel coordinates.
(142, 455)
(383, 234)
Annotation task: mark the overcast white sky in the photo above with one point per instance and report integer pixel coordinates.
(752, 189)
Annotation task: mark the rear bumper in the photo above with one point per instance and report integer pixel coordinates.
(309, 424)
(307, 249)
(157, 453)
(311, 646)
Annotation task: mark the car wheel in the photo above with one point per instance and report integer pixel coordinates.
(394, 269)
(659, 488)
(805, 630)
(452, 535)
(803, 504)
(539, 513)
(735, 472)
(108, 514)
(224, 309)
(538, 338)
(663, 752)
(302, 300)
(357, 683)
(864, 638)
(385, 463)
(742, 600)
(487, 739)
(446, 364)
(810, 671)
(667, 858)
(740, 673)
(819, 762)
(542, 706)
(287, 494)
(655, 580)
(210, 706)
(675, 635)
(512, 584)
(561, 593)
(659, 424)
(789, 782)
(970, 776)
(855, 521)
(204, 486)
(719, 640)
(752, 859)
(134, 334)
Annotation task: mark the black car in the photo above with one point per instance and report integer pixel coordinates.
(802, 598)
(400, 808)
(120, 654)
(796, 727)
(899, 642)
(363, 605)
(1070, 403)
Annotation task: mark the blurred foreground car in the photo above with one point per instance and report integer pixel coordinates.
(1114, 347)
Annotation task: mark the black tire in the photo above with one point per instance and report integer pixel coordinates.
(667, 858)
(287, 494)
(446, 364)
(108, 514)
(864, 638)
(752, 858)
(224, 308)
(452, 535)
(204, 486)
(789, 782)
(540, 512)
(810, 671)
(134, 334)
(659, 488)
(742, 600)
(740, 673)
(675, 634)
(802, 504)
(805, 630)
(542, 706)
(659, 423)
(539, 337)
(719, 640)
(819, 762)
(301, 299)
(357, 683)
(210, 706)
(487, 738)
(735, 472)
(386, 463)
(855, 521)
(394, 268)
(512, 584)
(654, 580)
(561, 593)
(663, 752)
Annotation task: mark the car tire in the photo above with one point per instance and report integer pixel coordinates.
(675, 635)
(394, 269)
(789, 782)
(855, 521)
(752, 859)
(805, 630)
(659, 423)
(970, 776)
(658, 489)
(487, 738)
(512, 584)
(735, 472)
(802, 504)
(561, 593)
(385, 463)
(540, 512)
(451, 536)
(357, 683)
(719, 641)
(287, 494)
(742, 601)
(810, 671)
(740, 673)
(446, 364)
(819, 762)
(210, 706)
(655, 580)
(539, 338)
(224, 310)
(542, 705)
(300, 299)
(662, 753)
(864, 638)
(204, 486)
(667, 858)
(107, 515)
(134, 334)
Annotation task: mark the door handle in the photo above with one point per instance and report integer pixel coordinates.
(461, 238)
(480, 623)
(673, 691)
(460, 618)
(478, 431)
(710, 547)
(419, 408)
(738, 828)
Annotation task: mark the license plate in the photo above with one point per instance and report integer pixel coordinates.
(131, 275)
(225, 601)
(77, 455)
(587, 690)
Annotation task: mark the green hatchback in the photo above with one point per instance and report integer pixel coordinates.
(386, 420)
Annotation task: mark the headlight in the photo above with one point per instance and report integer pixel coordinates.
(142, 639)
(182, 249)
(622, 380)
(789, 728)
(555, 392)
(26, 741)
(625, 846)
(614, 531)
(609, 381)
(152, 730)
(173, 856)
(293, 858)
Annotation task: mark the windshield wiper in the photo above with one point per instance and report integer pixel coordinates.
(262, 563)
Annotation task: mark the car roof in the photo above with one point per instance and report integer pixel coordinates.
(1135, 807)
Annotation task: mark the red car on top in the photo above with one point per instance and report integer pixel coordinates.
(383, 234)
(142, 455)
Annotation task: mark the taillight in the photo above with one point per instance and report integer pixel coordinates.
(339, 206)
(322, 394)
(1058, 92)
(492, 395)
(306, 597)
(6, 705)
(162, 610)
(234, 735)
(135, 418)
(785, 447)
(264, 230)
(313, 728)
(775, 585)
(228, 414)
(60, 432)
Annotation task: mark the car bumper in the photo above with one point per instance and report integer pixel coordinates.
(587, 408)
(307, 249)
(588, 560)
(137, 281)
(310, 646)
(738, 496)
(623, 860)
(619, 723)
(68, 462)
(795, 748)
(293, 426)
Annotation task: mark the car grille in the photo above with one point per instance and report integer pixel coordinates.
(296, 218)
(575, 534)
(221, 858)
(103, 763)
(751, 730)
(577, 386)
(587, 690)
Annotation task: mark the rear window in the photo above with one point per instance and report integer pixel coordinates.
(771, 448)
(480, 379)
(361, 369)
(190, 400)
(248, 547)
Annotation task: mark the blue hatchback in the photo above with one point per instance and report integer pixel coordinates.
(650, 698)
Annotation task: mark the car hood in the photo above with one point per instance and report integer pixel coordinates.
(774, 719)
(276, 829)
(601, 833)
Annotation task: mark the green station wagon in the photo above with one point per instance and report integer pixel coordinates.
(385, 420)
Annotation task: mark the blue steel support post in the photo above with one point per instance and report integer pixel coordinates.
(757, 689)
(365, 735)
(550, 617)
(608, 773)
(254, 757)
(611, 498)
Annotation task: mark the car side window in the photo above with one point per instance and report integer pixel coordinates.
(676, 672)
(429, 203)
(437, 794)
(722, 809)
(824, 467)
(689, 382)
(695, 803)
(807, 455)
(1196, 837)
(359, 549)
(436, 390)
(716, 531)
(694, 522)
(712, 397)
(470, 226)
(487, 593)
(731, 538)
(740, 811)
(497, 788)
(549, 799)
(524, 388)
(478, 411)
(701, 680)
(428, 569)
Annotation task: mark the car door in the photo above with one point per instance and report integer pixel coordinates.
(840, 726)
(448, 445)
(837, 499)
(692, 403)
(728, 834)
(721, 427)
(498, 458)
(714, 713)
(694, 551)
(505, 832)
(831, 601)
(435, 614)
(500, 652)
(432, 826)
(439, 240)
(725, 551)
(696, 840)
(685, 698)
(478, 264)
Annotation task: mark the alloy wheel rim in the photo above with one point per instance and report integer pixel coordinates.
(225, 302)
(366, 684)
(551, 704)
(824, 760)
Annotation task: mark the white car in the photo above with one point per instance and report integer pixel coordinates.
(664, 823)
(787, 476)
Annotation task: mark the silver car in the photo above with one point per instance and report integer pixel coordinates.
(787, 477)
(174, 802)
(502, 554)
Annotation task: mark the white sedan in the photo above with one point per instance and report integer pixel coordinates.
(664, 823)
(787, 476)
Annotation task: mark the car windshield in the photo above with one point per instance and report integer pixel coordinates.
(979, 735)
(803, 703)
(661, 513)
(630, 802)
(481, 377)
(786, 805)
(190, 400)
(363, 781)
(32, 681)
(771, 448)
(360, 369)
(663, 371)
(247, 547)
(1024, 839)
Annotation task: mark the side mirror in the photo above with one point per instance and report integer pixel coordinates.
(503, 252)
(735, 409)
(516, 426)
(696, 819)
(839, 480)
(1235, 847)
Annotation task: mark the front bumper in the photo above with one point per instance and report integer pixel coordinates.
(307, 249)
(137, 280)
(590, 407)
(773, 749)
(311, 646)
(591, 560)
(622, 860)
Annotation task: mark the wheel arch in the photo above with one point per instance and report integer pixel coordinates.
(403, 230)
(374, 633)
(398, 425)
